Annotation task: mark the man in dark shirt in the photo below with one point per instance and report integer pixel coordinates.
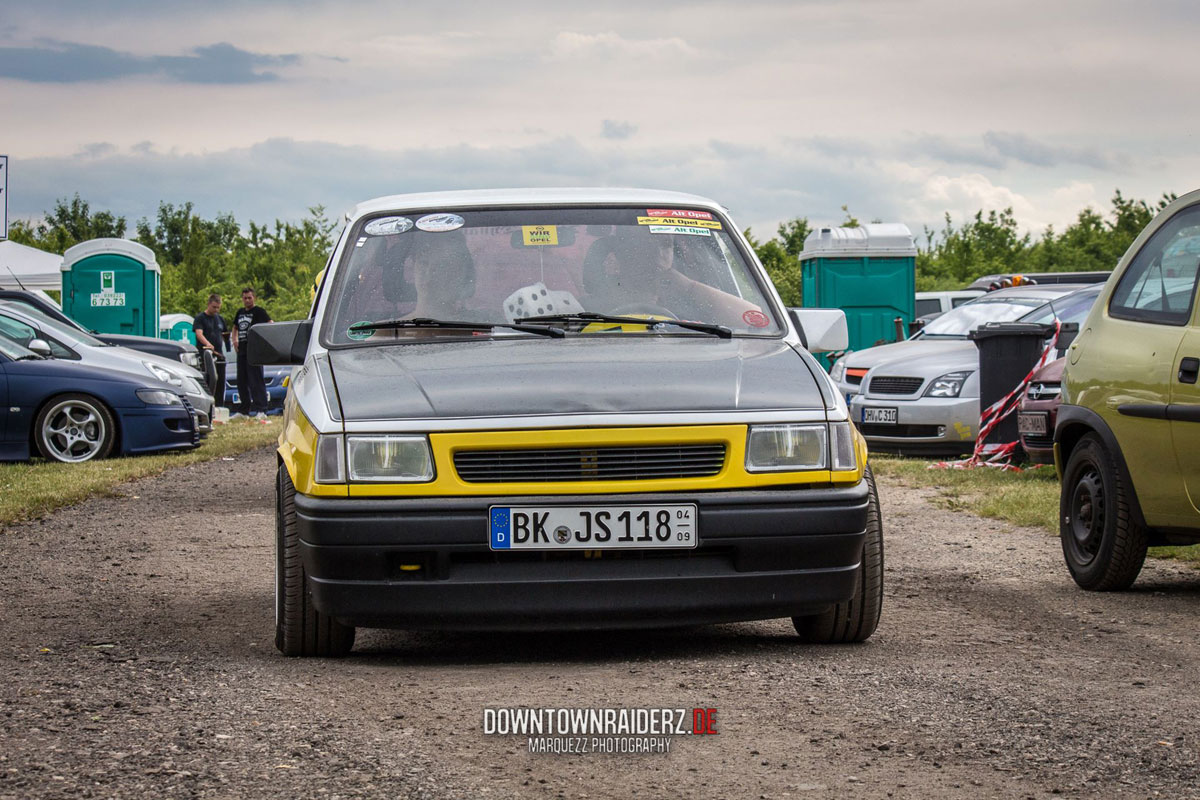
(252, 389)
(212, 333)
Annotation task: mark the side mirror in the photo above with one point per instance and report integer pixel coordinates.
(39, 346)
(279, 342)
(822, 330)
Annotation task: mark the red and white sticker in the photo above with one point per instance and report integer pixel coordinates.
(756, 319)
(678, 213)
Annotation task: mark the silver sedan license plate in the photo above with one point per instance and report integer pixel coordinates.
(592, 527)
(885, 416)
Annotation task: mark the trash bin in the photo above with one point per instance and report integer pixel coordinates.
(869, 272)
(1007, 353)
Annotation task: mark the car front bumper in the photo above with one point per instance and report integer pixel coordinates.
(761, 554)
(923, 425)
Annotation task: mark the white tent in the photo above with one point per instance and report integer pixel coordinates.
(29, 267)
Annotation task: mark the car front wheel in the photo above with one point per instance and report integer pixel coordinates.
(1103, 543)
(300, 629)
(75, 428)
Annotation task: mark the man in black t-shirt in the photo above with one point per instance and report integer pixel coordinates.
(212, 333)
(252, 389)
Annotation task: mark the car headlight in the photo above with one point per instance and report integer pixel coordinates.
(778, 448)
(390, 458)
(191, 358)
(158, 397)
(163, 374)
(948, 385)
(838, 370)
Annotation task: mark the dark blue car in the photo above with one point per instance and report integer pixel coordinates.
(70, 412)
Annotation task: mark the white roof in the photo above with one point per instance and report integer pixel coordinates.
(34, 269)
(121, 247)
(524, 197)
(875, 239)
(166, 321)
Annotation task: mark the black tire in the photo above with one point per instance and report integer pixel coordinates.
(74, 428)
(857, 618)
(300, 630)
(1103, 542)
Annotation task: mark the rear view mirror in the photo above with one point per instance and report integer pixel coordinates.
(822, 330)
(279, 342)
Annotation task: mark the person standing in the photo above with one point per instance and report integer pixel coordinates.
(252, 389)
(212, 334)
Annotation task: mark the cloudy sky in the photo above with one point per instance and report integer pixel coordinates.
(901, 110)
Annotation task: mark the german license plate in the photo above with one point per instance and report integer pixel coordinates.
(592, 527)
(1031, 423)
(885, 416)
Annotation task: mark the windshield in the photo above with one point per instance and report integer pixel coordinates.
(958, 322)
(66, 333)
(503, 265)
(1071, 308)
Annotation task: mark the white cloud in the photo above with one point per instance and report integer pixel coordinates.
(571, 45)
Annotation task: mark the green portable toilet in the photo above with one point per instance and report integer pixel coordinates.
(177, 327)
(111, 286)
(869, 272)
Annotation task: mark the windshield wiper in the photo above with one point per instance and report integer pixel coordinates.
(592, 316)
(427, 322)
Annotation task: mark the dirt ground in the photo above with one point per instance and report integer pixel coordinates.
(136, 649)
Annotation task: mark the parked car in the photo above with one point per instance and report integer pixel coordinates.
(274, 376)
(1039, 411)
(1127, 438)
(68, 411)
(33, 330)
(924, 399)
(931, 304)
(563, 408)
(170, 349)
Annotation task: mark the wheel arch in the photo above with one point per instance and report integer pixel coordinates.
(1075, 422)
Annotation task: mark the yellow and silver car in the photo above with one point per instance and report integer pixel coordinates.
(539, 409)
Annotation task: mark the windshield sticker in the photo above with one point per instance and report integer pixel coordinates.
(679, 213)
(361, 333)
(388, 226)
(756, 319)
(695, 223)
(539, 235)
(678, 229)
(436, 223)
(361, 241)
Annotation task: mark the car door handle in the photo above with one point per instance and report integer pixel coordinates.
(1189, 370)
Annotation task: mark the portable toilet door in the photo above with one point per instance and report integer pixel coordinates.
(177, 327)
(112, 286)
(869, 272)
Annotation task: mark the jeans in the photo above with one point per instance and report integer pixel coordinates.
(252, 388)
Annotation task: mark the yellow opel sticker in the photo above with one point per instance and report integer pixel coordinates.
(537, 235)
(691, 223)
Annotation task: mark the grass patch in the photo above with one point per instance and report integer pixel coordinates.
(33, 489)
(1026, 498)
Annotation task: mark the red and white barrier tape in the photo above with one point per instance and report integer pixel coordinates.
(999, 455)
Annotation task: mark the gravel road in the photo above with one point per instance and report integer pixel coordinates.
(137, 660)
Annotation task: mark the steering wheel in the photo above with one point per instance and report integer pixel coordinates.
(644, 308)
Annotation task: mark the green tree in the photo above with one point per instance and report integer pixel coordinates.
(70, 223)
(781, 257)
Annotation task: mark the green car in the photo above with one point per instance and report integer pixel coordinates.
(1127, 441)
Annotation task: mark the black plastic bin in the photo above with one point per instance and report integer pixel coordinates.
(1007, 352)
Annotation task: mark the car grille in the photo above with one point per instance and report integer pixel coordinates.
(885, 384)
(591, 464)
(899, 431)
(1038, 442)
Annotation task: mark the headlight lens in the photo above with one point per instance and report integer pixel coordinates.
(838, 370)
(949, 385)
(389, 458)
(191, 358)
(158, 397)
(163, 374)
(330, 464)
(778, 448)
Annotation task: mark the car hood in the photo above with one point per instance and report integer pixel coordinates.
(525, 377)
(930, 363)
(1050, 373)
(74, 370)
(912, 348)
